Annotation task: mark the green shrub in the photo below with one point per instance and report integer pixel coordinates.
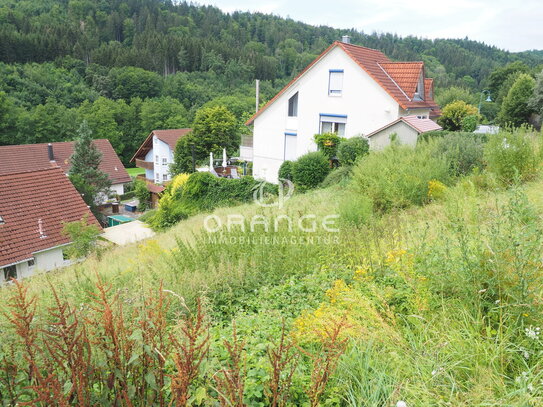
(352, 149)
(338, 176)
(463, 151)
(469, 123)
(205, 192)
(512, 156)
(399, 175)
(128, 195)
(328, 143)
(143, 195)
(169, 213)
(285, 171)
(310, 170)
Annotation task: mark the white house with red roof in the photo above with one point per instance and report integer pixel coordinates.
(404, 130)
(348, 89)
(34, 206)
(156, 154)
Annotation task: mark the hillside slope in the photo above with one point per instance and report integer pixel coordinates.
(412, 284)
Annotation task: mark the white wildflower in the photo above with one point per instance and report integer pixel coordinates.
(401, 403)
(532, 333)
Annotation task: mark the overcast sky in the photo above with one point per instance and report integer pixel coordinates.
(508, 24)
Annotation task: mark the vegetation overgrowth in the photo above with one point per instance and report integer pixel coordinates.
(432, 298)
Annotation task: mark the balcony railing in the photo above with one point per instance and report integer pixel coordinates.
(148, 165)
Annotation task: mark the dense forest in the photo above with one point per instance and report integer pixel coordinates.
(128, 66)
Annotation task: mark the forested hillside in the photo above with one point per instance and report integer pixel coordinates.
(130, 65)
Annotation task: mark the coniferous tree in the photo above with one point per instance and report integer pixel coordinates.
(85, 174)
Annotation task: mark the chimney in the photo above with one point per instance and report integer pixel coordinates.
(50, 152)
(346, 39)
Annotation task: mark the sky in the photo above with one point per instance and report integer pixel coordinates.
(507, 24)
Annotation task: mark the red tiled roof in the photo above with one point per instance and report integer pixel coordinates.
(420, 125)
(29, 198)
(155, 189)
(405, 74)
(32, 157)
(169, 136)
(396, 78)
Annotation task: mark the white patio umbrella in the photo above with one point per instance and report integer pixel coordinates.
(224, 157)
(210, 161)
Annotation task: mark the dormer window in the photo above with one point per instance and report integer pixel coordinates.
(419, 92)
(293, 105)
(335, 82)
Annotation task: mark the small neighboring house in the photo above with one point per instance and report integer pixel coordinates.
(32, 157)
(34, 206)
(348, 89)
(405, 130)
(156, 154)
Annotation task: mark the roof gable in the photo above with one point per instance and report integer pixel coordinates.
(169, 136)
(32, 157)
(419, 125)
(33, 201)
(398, 79)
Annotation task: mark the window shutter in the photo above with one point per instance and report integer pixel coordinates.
(336, 82)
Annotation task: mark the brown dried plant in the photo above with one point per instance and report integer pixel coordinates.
(69, 350)
(190, 351)
(111, 335)
(156, 344)
(283, 361)
(230, 380)
(325, 362)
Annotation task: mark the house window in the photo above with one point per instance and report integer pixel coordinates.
(65, 256)
(157, 178)
(156, 159)
(164, 161)
(10, 272)
(31, 263)
(335, 82)
(290, 146)
(293, 105)
(333, 124)
(164, 177)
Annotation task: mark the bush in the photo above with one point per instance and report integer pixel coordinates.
(454, 113)
(143, 195)
(512, 156)
(398, 176)
(463, 151)
(285, 171)
(328, 143)
(128, 195)
(338, 176)
(170, 211)
(310, 170)
(469, 123)
(352, 149)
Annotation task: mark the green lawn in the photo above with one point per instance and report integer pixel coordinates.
(133, 172)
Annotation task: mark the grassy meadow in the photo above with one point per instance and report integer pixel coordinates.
(433, 281)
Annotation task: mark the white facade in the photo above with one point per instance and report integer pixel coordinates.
(161, 155)
(45, 260)
(403, 134)
(335, 94)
